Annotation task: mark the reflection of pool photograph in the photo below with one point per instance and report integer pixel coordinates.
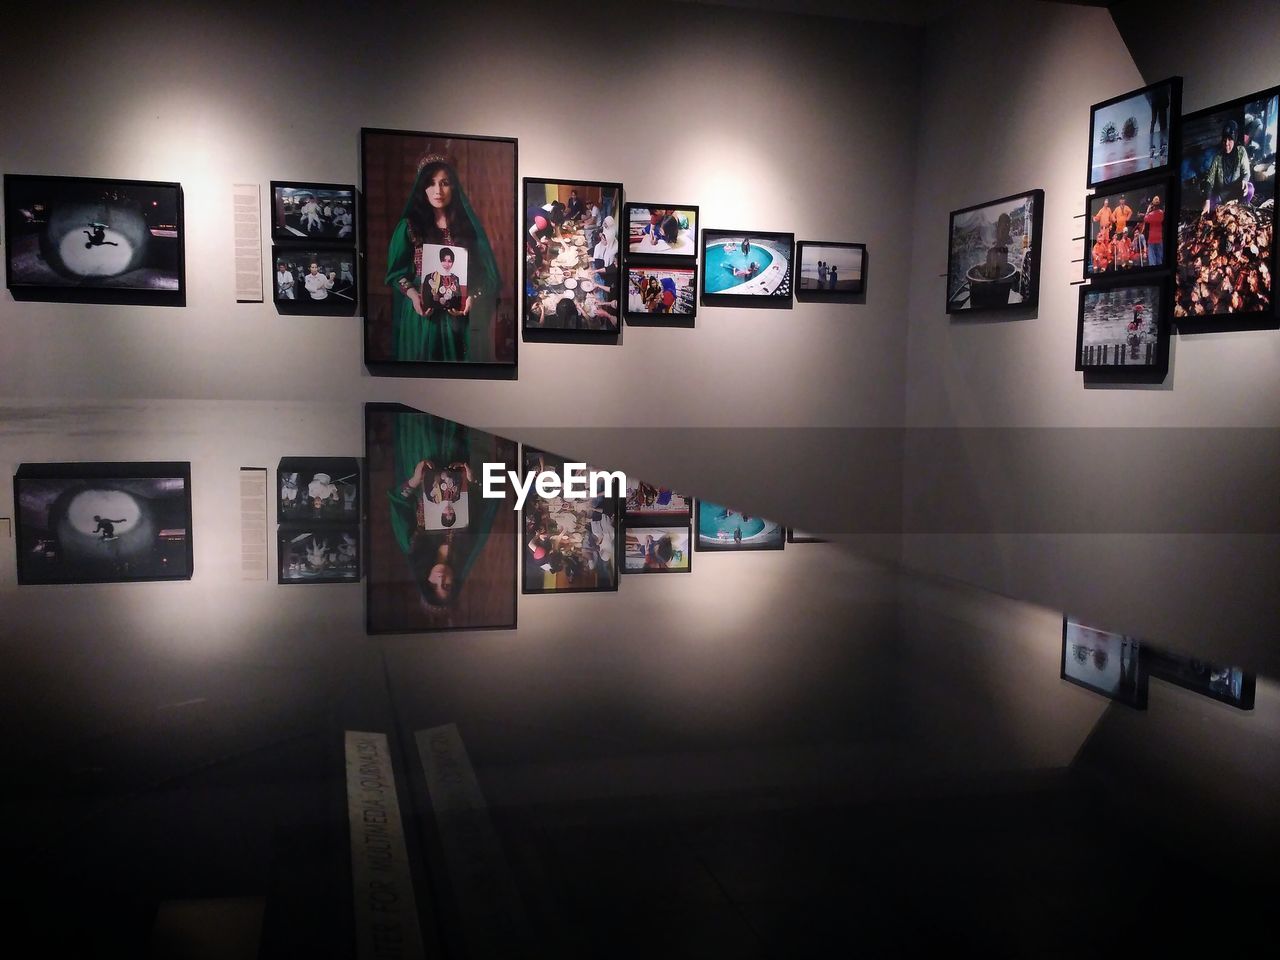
(657, 550)
(660, 291)
(740, 267)
(1106, 663)
(76, 525)
(667, 230)
(723, 528)
(313, 211)
(829, 269)
(1129, 134)
(992, 254)
(85, 236)
(325, 554)
(1121, 326)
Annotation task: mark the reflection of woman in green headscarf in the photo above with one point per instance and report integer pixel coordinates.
(437, 212)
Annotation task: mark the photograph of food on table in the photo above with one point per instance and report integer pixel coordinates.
(571, 255)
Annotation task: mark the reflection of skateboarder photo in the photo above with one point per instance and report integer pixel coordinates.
(98, 236)
(106, 527)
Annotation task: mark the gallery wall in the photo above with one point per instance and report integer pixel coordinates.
(1149, 509)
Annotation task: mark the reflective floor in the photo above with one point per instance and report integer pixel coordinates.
(912, 773)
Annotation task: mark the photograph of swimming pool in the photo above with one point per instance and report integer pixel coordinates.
(723, 528)
(746, 268)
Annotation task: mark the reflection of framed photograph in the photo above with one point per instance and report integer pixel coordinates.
(657, 550)
(572, 257)
(425, 569)
(829, 271)
(723, 528)
(103, 522)
(661, 230)
(1229, 685)
(83, 240)
(647, 503)
(993, 254)
(802, 536)
(1135, 133)
(570, 546)
(1107, 663)
(318, 554)
(661, 292)
(318, 489)
(746, 268)
(1126, 231)
(436, 189)
(1226, 252)
(313, 212)
(314, 280)
(1123, 326)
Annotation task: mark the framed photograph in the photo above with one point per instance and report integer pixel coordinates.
(103, 522)
(1123, 326)
(803, 536)
(993, 254)
(830, 271)
(327, 553)
(662, 230)
(438, 555)
(423, 193)
(1107, 663)
(647, 503)
(1226, 260)
(661, 293)
(1229, 685)
(746, 268)
(312, 490)
(1126, 230)
(313, 212)
(570, 546)
(315, 280)
(82, 240)
(662, 549)
(723, 528)
(1135, 133)
(572, 258)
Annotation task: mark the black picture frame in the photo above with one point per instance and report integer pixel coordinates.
(338, 270)
(537, 536)
(995, 294)
(1199, 236)
(657, 233)
(1139, 263)
(850, 253)
(668, 553)
(549, 278)
(1143, 349)
(675, 300)
(142, 532)
(650, 504)
(770, 287)
(292, 222)
(486, 346)
(1145, 100)
(773, 535)
(45, 261)
(317, 553)
(316, 490)
(1111, 665)
(801, 536)
(1229, 685)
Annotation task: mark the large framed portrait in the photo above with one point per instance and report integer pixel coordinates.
(724, 528)
(1226, 260)
(830, 271)
(1135, 133)
(572, 258)
(662, 230)
(746, 268)
(86, 240)
(318, 553)
(993, 254)
(570, 545)
(1123, 326)
(103, 522)
(1126, 230)
(661, 294)
(315, 280)
(313, 212)
(1110, 664)
(438, 555)
(657, 549)
(439, 247)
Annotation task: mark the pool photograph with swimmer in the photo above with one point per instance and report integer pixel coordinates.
(993, 254)
(92, 240)
(746, 268)
(724, 528)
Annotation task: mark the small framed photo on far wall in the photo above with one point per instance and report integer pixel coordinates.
(829, 271)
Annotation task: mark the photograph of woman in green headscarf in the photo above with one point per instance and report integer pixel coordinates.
(440, 253)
